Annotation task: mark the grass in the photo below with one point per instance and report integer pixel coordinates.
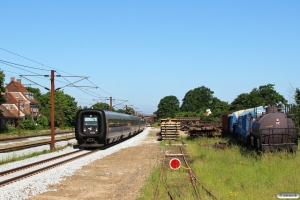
(14, 132)
(14, 158)
(234, 173)
(156, 125)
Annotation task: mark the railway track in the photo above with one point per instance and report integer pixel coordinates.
(22, 172)
(32, 136)
(25, 171)
(171, 178)
(17, 148)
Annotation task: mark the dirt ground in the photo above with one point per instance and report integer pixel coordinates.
(119, 176)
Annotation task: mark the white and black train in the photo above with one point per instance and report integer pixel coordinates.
(96, 128)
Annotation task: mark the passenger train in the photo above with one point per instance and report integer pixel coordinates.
(96, 128)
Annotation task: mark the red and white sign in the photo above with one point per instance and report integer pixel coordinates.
(175, 163)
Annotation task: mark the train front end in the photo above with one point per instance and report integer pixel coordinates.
(90, 128)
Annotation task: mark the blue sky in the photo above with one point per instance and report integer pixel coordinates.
(142, 51)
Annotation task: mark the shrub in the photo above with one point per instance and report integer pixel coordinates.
(43, 122)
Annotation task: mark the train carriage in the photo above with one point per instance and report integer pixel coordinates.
(95, 128)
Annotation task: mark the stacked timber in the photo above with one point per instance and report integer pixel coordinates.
(169, 129)
(203, 128)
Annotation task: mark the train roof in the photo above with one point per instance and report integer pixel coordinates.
(259, 110)
(119, 115)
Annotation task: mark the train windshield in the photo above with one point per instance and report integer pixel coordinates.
(90, 120)
(90, 124)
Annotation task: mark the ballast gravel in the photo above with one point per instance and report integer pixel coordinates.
(25, 152)
(38, 183)
(34, 139)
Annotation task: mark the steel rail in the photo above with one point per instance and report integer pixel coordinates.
(209, 192)
(8, 181)
(2, 183)
(11, 149)
(191, 175)
(32, 136)
(166, 184)
(160, 178)
(36, 163)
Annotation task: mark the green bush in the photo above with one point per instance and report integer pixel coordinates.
(43, 122)
(28, 124)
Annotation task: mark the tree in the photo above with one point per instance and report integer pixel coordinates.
(2, 88)
(264, 95)
(65, 108)
(241, 102)
(101, 106)
(295, 109)
(168, 106)
(297, 96)
(198, 100)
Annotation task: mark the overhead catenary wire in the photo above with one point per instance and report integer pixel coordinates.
(86, 91)
(3, 61)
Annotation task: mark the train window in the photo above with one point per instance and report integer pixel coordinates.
(90, 120)
(90, 124)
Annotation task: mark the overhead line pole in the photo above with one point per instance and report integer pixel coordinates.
(110, 105)
(52, 110)
(52, 101)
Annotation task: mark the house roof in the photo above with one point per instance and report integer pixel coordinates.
(14, 86)
(6, 113)
(10, 98)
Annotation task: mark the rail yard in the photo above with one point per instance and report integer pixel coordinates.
(139, 167)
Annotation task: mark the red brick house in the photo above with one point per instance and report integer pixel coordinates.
(6, 117)
(17, 96)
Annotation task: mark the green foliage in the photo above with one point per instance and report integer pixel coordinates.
(241, 102)
(129, 111)
(65, 108)
(297, 96)
(168, 106)
(7, 129)
(2, 88)
(101, 106)
(295, 109)
(198, 100)
(43, 121)
(28, 123)
(120, 111)
(264, 95)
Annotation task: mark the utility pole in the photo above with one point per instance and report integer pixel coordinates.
(19, 116)
(110, 105)
(52, 97)
(52, 110)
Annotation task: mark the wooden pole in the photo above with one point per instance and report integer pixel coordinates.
(19, 117)
(52, 110)
(110, 106)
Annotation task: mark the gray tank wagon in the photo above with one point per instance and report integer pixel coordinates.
(274, 130)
